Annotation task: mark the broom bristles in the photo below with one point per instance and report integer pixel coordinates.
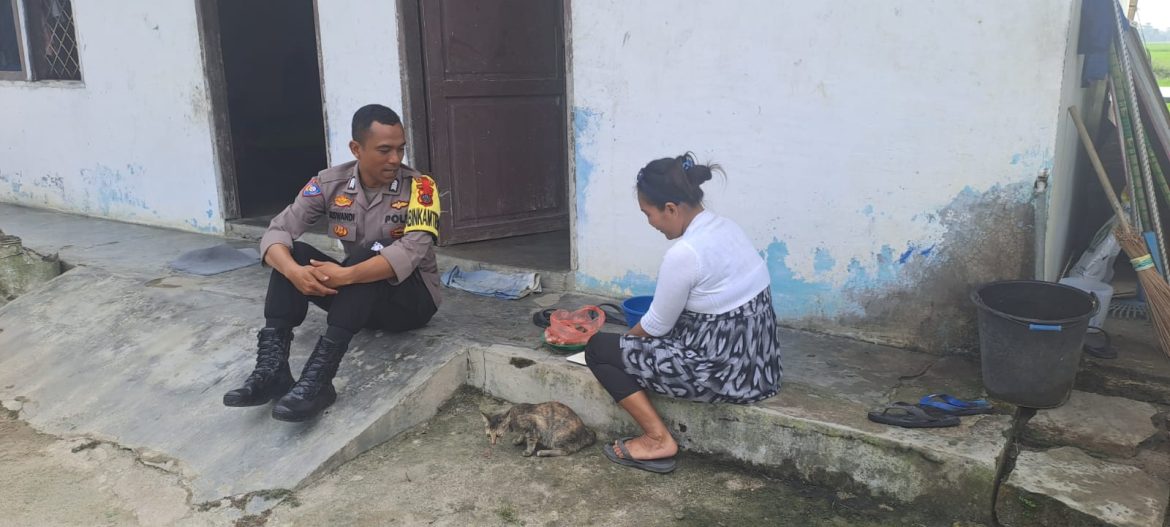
(1156, 289)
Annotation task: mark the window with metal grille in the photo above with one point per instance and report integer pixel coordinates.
(52, 40)
(11, 51)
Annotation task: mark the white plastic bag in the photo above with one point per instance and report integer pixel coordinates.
(1097, 261)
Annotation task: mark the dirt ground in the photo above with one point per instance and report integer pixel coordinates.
(440, 473)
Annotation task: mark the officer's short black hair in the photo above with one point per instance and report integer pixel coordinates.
(369, 114)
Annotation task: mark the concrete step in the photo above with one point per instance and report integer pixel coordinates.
(1065, 487)
(810, 430)
(96, 355)
(1100, 424)
(1140, 372)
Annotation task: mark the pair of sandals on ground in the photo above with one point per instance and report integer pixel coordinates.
(937, 410)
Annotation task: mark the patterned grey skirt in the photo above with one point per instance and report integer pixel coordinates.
(731, 357)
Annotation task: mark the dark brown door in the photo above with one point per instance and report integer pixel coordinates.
(495, 94)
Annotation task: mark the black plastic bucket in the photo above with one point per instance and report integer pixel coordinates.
(1030, 338)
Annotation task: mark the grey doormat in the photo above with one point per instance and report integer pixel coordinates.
(215, 260)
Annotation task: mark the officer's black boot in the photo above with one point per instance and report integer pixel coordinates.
(271, 378)
(314, 391)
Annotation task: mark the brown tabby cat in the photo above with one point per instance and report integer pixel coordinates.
(551, 426)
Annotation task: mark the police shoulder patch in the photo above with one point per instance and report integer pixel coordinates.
(422, 213)
(311, 189)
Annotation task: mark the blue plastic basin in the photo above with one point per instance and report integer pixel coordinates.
(634, 308)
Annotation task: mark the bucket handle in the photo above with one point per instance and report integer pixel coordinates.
(1045, 327)
(1041, 327)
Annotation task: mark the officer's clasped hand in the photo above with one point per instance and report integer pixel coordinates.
(306, 281)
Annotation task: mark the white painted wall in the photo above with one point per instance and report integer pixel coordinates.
(133, 141)
(1064, 178)
(845, 127)
(360, 64)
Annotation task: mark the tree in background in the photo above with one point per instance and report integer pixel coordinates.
(1153, 34)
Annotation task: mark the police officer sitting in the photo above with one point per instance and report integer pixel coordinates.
(386, 216)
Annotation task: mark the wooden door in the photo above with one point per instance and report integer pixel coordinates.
(495, 103)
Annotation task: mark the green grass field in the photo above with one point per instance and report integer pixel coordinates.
(1160, 55)
(1160, 52)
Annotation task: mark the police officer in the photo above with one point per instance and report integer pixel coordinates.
(386, 216)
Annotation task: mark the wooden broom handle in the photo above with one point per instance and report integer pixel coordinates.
(1101, 175)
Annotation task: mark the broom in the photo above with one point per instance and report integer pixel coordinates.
(1156, 288)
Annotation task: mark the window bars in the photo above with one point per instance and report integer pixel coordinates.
(54, 48)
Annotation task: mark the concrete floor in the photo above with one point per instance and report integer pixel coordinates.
(442, 472)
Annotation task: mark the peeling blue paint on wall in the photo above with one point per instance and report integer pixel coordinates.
(632, 284)
(823, 261)
(907, 254)
(795, 297)
(205, 228)
(114, 192)
(1034, 159)
(585, 123)
(885, 270)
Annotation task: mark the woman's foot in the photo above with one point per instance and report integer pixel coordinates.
(646, 447)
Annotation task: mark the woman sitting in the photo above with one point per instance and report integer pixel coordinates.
(710, 333)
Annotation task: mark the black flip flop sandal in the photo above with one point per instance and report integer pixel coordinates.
(613, 315)
(541, 318)
(907, 415)
(1097, 343)
(657, 466)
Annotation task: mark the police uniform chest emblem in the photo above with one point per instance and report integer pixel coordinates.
(342, 201)
(340, 231)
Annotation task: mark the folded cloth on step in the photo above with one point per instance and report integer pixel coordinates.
(215, 260)
(493, 283)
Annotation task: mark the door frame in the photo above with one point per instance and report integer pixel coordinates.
(207, 19)
(207, 15)
(414, 95)
(416, 118)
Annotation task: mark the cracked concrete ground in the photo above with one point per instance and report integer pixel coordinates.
(45, 480)
(440, 473)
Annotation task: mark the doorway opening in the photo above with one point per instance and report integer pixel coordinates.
(271, 92)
